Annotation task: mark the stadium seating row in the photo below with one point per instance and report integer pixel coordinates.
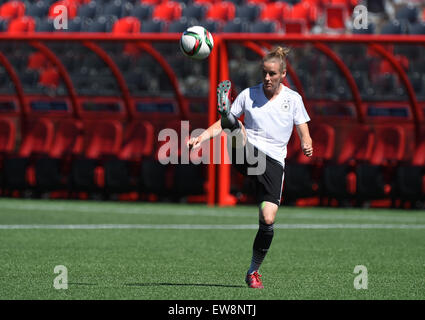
(90, 156)
(371, 165)
(100, 156)
(318, 16)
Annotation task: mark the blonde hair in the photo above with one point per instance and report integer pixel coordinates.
(279, 53)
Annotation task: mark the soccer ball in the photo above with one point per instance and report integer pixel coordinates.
(196, 43)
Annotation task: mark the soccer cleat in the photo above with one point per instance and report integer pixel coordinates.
(223, 97)
(254, 280)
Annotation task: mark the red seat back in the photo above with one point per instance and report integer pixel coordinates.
(323, 136)
(37, 60)
(21, 24)
(171, 147)
(336, 16)
(37, 138)
(138, 141)
(167, 11)
(275, 11)
(419, 154)
(127, 25)
(306, 11)
(102, 137)
(358, 145)
(7, 135)
(221, 11)
(12, 9)
(68, 138)
(294, 26)
(390, 145)
(49, 77)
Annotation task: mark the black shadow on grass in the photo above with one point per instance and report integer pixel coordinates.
(152, 284)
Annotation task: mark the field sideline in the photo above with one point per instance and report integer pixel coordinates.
(149, 251)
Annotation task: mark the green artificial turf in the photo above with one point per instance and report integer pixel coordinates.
(125, 256)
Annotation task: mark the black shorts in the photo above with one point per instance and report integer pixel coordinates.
(268, 182)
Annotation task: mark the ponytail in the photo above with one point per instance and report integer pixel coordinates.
(279, 53)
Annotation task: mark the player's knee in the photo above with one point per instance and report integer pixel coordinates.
(268, 220)
(268, 212)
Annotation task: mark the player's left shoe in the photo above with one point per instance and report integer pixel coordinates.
(254, 280)
(223, 97)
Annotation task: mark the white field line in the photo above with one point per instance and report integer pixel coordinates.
(211, 212)
(204, 227)
(114, 209)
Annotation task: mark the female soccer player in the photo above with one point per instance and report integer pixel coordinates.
(271, 110)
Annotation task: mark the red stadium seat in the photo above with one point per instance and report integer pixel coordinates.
(7, 141)
(38, 138)
(49, 77)
(336, 17)
(419, 155)
(12, 9)
(375, 177)
(168, 11)
(121, 174)
(7, 136)
(68, 139)
(126, 25)
(276, 11)
(390, 145)
(294, 26)
(50, 173)
(410, 177)
(221, 11)
(358, 146)
(306, 11)
(138, 141)
(386, 67)
(22, 24)
(258, 2)
(176, 180)
(71, 6)
(155, 175)
(303, 174)
(102, 140)
(37, 61)
(339, 178)
(324, 143)
(103, 137)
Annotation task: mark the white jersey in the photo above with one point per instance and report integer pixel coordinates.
(269, 124)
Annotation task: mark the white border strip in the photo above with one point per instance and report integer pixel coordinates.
(204, 227)
(205, 212)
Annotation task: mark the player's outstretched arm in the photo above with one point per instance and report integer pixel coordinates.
(306, 141)
(213, 131)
